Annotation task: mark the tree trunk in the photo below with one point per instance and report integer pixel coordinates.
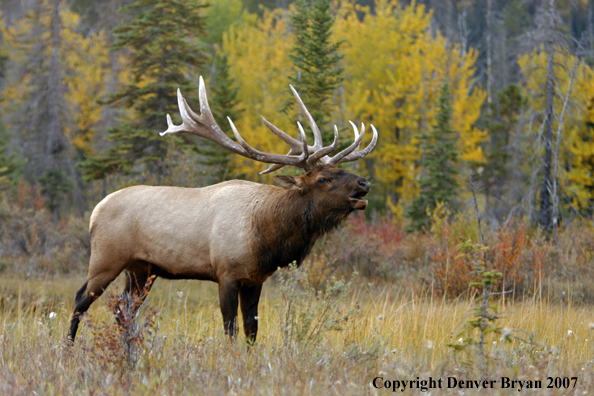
(545, 192)
(55, 142)
(489, 52)
(591, 27)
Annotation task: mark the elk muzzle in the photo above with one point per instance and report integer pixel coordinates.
(357, 201)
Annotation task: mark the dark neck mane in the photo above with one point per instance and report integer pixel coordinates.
(287, 225)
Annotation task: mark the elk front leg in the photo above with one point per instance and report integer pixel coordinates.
(229, 299)
(249, 298)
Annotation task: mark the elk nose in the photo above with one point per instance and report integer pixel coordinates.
(364, 184)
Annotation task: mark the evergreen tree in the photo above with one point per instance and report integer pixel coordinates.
(9, 166)
(316, 59)
(161, 37)
(8, 162)
(500, 123)
(438, 184)
(223, 103)
(40, 116)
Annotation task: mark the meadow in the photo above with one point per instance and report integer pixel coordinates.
(371, 301)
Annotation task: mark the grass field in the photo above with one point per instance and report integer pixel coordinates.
(390, 332)
(409, 300)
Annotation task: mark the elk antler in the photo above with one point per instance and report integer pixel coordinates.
(300, 155)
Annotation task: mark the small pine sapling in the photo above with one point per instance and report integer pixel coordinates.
(484, 315)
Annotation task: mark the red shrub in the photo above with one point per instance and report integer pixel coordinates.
(453, 272)
(506, 255)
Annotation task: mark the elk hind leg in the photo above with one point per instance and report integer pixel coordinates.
(85, 296)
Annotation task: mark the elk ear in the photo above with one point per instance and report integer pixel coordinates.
(288, 182)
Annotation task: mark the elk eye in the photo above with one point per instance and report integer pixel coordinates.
(323, 180)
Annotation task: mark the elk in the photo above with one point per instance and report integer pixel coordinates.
(236, 233)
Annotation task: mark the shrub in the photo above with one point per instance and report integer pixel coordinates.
(119, 346)
(31, 242)
(306, 313)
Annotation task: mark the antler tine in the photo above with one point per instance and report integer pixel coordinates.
(188, 116)
(312, 124)
(305, 155)
(250, 151)
(356, 155)
(204, 107)
(203, 125)
(294, 144)
(261, 156)
(356, 130)
(353, 156)
(324, 151)
(187, 123)
(335, 160)
(272, 168)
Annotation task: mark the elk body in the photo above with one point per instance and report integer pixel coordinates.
(235, 233)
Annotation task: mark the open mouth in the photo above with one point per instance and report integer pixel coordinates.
(357, 201)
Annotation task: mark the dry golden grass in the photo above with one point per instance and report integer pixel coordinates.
(390, 333)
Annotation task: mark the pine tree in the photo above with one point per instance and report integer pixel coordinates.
(9, 166)
(500, 123)
(316, 59)
(38, 109)
(438, 184)
(223, 103)
(162, 39)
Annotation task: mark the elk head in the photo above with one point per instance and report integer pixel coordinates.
(342, 190)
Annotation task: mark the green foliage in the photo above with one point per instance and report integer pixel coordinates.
(500, 123)
(439, 183)
(9, 166)
(220, 16)
(516, 18)
(55, 186)
(161, 37)
(259, 7)
(316, 58)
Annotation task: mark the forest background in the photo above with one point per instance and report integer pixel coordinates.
(73, 91)
(484, 108)
(485, 162)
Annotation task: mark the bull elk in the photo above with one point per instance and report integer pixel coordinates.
(236, 233)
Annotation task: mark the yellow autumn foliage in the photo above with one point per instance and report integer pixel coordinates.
(394, 68)
(575, 172)
(83, 61)
(258, 57)
(87, 84)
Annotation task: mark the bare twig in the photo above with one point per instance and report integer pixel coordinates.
(556, 154)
